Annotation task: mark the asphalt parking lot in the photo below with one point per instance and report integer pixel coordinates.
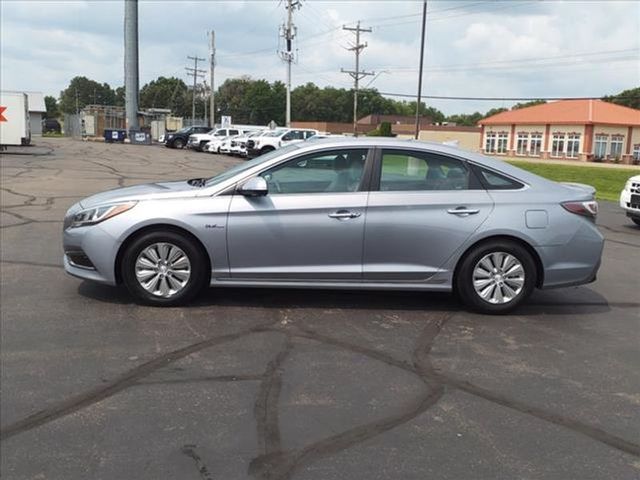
(287, 384)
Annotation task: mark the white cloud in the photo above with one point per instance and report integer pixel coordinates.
(44, 44)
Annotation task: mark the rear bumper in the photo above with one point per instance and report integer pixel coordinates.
(575, 263)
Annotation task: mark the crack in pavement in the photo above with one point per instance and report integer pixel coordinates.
(123, 381)
(190, 451)
(31, 264)
(276, 464)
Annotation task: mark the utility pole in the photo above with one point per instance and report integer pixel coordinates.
(424, 29)
(288, 32)
(212, 67)
(204, 97)
(131, 79)
(195, 72)
(356, 74)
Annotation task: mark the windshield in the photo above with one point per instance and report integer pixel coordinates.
(248, 165)
(184, 130)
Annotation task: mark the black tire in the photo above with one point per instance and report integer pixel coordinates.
(636, 221)
(178, 143)
(198, 279)
(266, 150)
(464, 286)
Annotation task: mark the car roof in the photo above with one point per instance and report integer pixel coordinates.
(382, 142)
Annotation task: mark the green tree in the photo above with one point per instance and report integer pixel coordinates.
(166, 93)
(466, 120)
(82, 92)
(495, 111)
(532, 103)
(52, 107)
(119, 97)
(626, 98)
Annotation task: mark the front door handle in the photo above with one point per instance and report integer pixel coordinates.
(462, 211)
(344, 214)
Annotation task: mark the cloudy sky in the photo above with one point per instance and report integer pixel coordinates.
(475, 48)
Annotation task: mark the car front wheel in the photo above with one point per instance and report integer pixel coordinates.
(496, 277)
(179, 144)
(164, 269)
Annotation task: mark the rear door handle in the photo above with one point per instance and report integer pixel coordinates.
(344, 214)
(462, 211)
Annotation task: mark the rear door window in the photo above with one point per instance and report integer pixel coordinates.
(406, 170)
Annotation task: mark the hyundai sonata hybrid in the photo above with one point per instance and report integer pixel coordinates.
(364, 213)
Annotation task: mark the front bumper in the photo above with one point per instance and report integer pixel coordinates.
(632, 209)
(98, 246)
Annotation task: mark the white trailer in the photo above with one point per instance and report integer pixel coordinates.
(15, 127)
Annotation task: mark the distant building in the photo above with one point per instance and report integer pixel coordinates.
(584, 130)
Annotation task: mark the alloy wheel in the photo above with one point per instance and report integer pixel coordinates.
(498, 278)
(163, 269)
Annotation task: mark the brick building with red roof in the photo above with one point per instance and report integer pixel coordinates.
(584, 130)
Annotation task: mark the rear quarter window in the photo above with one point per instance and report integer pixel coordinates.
(496, 181)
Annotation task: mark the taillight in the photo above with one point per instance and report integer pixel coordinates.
(586, 209)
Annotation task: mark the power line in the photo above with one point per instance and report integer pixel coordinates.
(497, 99)
(356, 74)
(196, 73)
(519, 61)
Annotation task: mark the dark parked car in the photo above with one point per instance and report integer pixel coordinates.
(50, 125)
(180, 138)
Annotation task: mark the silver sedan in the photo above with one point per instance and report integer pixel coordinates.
(365, 213)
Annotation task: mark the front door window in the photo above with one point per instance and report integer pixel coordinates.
(332, 171)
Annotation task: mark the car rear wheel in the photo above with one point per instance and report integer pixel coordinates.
(496, 277)
(164, 269)
(178, 143)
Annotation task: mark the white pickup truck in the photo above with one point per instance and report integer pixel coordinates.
(278, 138)
(198, 141)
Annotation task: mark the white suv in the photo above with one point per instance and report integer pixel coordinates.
(630, 199)
(278, 138)
(197, 141)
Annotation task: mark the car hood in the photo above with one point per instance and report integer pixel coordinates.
(201, 136)
(148, 191)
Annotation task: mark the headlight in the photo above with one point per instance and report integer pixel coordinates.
(91, 216)
(627, 186)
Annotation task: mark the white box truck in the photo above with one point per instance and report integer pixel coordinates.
(15, 127)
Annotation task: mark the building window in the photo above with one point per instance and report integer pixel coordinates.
(600, 146)
(557, 146)
(536, 144)
(616, 146)
(573, 145)
(523, 140)
(503, 137)
(490, 142)
(636, 153)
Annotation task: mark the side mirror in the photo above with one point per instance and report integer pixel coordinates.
(254, 187)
